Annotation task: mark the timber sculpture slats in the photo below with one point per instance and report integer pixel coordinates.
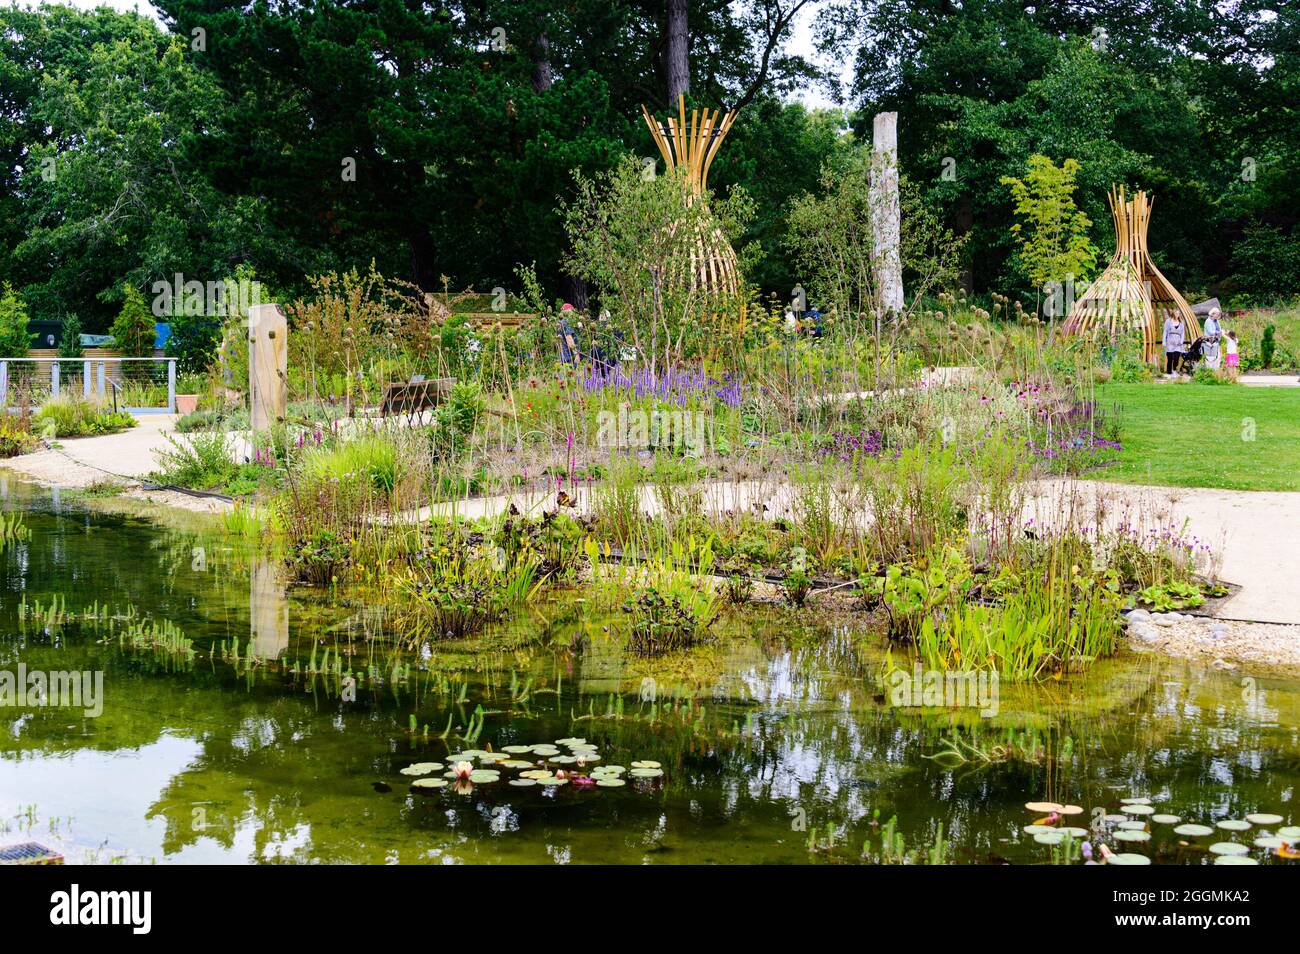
(1131, 293)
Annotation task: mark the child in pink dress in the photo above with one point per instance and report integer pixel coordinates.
(1230, 350)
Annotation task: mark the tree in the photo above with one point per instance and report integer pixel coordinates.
(134, 330)
(830, 238)
(633, 239)
(1052, 232)
(15, 339)
(70, 337)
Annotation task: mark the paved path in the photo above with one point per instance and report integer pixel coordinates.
(1270, 380)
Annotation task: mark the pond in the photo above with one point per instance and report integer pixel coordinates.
(246, 721)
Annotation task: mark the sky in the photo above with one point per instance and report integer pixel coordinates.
(801, 39)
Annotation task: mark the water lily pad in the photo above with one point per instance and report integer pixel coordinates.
(483, 778)
(523, 782)
(1114, 819)
(1234, 824)
(616, 769)
(421, 768)
(552, 780)
(1132, 825)
(1075, 832)
(610, 782)
(1290, 831)
(1130, 834)
(1228, 848)
(1263, 818)
(1040, 807)
(429, 783)
(646, 772)
(537, 773)
(1128, 858)
(1234, 860)
(1049, 837)
(1070, 810)
(1138, 800)
(563, 760)
(1138, 809)
(1271, 842)
(646, 764)
(570, 741)
(516, 749)
(1193, 830)
(1038, 829)
(517, 763)
(1166, 819)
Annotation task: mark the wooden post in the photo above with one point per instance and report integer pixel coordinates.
(885, 216)
(268, 365)
(171, 385)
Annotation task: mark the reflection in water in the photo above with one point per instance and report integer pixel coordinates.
(268, 610)
(774, 734)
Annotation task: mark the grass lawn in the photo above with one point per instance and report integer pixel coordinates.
(1195, 435)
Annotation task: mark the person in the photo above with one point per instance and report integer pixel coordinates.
(813, 322)
(791, 323)
(568, 336)
(1230, 357)
(1212, 332)
(1173, 339)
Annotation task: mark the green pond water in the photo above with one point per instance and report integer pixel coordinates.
(776, 742)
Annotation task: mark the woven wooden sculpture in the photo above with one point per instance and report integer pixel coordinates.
(1131, 293)
(690, 150)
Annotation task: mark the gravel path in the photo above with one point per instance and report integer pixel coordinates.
(122, 458)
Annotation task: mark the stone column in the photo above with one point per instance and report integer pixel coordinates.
(887, 261)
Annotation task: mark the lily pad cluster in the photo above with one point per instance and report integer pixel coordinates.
(566, 762)
(1131, 826)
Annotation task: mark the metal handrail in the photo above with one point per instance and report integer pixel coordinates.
(55, 362)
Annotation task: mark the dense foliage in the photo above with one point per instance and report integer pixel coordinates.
(441, 141)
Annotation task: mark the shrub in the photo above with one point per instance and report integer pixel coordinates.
(452, 590)
(193, 342)
(69, 415)
(659, 623)
(15, 436)
(15, 340)
(318, 559)
(199, 460)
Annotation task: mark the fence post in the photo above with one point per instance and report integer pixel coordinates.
(99, 382)
(85, 379)
(54, 379)
(4, 383)
(171, 385)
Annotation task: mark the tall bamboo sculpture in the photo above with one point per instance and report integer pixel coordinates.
(1131, 292)
(690, 150)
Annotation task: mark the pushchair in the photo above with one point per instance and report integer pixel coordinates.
(1191, 357)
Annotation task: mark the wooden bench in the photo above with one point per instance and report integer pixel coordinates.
(410, 398)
